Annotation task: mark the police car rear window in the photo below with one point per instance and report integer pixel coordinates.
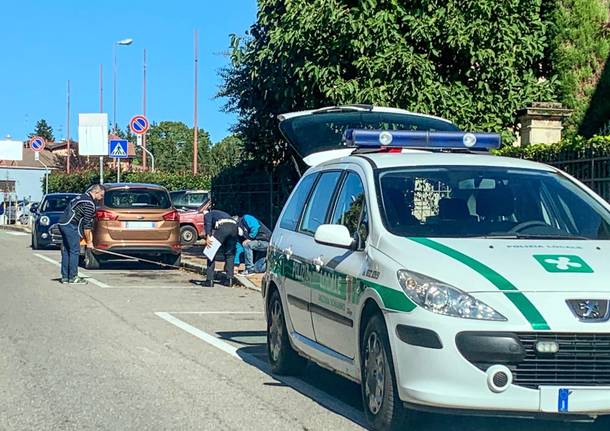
(137, 198)
(488, 202)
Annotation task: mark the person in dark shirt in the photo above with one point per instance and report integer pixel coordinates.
(256, 238)
(75, 223)
(220, 225)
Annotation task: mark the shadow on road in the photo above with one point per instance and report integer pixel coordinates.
(342, 396)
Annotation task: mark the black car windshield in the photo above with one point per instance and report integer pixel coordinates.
(478, 201)
(56, 203)
(137, 198)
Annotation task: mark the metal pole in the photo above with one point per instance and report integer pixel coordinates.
(144, 161)
(195, 129)
(68, 146)
(114, 87)
(101, 110)
(46, 176)
(118, 170)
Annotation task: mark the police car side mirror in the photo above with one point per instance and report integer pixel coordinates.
(335, 235)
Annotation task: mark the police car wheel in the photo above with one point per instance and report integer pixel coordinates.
(382, 405)
(282, 357)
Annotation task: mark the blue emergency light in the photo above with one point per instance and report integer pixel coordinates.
(360, 138)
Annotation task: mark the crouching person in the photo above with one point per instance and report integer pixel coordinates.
(256, 237)
(220, 225)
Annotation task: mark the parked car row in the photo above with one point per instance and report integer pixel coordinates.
(137, 220)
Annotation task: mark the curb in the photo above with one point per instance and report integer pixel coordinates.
(199, 269)
(15, 228)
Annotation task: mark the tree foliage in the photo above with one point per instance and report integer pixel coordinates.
(171, 143)
(579, 46)
(78, 182)
(44, 130)
(225, 154)
(474, 62)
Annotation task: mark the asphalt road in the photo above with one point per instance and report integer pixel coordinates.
(142, 348)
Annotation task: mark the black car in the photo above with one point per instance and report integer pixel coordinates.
(46, 215)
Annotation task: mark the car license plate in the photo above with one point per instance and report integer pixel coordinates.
(575, 399)
(139, 225)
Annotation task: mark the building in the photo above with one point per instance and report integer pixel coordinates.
(25, 178)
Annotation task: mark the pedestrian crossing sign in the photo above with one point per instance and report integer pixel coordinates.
(117, 148)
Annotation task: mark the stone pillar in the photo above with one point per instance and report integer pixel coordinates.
(541, 123)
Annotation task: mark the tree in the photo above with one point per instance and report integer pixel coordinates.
(44, 130)
(225, 154)
(579, 47)
(474, 62)
(171, 143)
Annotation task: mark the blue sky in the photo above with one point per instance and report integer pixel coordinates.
(43, 44)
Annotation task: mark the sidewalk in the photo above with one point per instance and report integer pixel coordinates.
(192, 259)
(16, 227)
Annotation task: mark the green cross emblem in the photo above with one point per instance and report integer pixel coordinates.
(563, 263)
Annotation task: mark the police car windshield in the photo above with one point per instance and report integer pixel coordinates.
(477, 201)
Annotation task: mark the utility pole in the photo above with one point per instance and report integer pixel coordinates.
(144, 161)
(101, 110)
(195, 133)
(68, 146)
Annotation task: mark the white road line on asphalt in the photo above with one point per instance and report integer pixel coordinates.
(204, 336)
(47, 259)
(153, 287)
(17, 233)
(88, 278)
(304, 388)
(214, 312)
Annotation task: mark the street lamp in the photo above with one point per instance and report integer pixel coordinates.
(122, 42)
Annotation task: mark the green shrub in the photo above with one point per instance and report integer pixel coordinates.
(78, 182)
(569, 149)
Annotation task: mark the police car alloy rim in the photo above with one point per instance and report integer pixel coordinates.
(275, 331)
(374, 368)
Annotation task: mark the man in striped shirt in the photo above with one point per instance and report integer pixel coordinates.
(76, 223)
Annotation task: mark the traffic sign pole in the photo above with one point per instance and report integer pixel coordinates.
(139, 125)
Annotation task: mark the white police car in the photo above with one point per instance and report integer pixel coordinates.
(438, 276)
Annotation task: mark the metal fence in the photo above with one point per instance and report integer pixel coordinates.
(590, 167)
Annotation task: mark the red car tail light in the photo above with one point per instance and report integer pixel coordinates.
(103, 215)
(172, 216)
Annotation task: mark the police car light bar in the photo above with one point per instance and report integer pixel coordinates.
(360, 138)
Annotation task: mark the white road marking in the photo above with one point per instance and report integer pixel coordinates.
(214, 312)
(16, 233)
(88, 278)
(97, 282)
(204, 336)
(312, 392)
(152, 287)
(47, 259)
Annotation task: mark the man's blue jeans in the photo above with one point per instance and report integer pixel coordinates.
(70, 251)
(249, 248)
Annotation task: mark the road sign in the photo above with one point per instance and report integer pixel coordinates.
(37, 144)
(93, 134)
(117, 148)
(37, 156)
(139, 125)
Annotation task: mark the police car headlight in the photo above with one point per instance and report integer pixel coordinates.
(44, 220)
(442, 298)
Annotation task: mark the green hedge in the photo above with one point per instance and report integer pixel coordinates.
(569, 149)
(78, 182)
